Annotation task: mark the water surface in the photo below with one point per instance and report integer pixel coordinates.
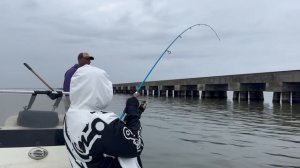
(193, 133)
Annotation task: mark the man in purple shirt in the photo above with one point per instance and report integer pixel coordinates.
(83, 59)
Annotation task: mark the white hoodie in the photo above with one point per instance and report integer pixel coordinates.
(90, 90)
(88, 128)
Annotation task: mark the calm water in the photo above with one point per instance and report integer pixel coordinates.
(193, 133)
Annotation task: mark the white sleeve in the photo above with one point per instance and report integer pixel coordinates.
(129, 162)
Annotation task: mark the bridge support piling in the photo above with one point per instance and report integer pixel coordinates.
(286, 97)
(163, 93)
(256, 96)
(276, 97)
(295, 97)
(196, 93)
(208, 94)
(212, 94)
(244, 96)
(221, 95)
(189, 93)
(203, 95)
(182, 93)
(236, 95)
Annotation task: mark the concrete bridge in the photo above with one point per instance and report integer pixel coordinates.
(285, 86)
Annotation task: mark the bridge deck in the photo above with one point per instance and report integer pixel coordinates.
(284, 84)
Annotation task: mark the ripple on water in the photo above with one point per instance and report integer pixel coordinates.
(208, 133)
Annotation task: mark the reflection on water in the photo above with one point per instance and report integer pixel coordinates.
(197, 133)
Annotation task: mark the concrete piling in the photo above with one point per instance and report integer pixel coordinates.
(256, 96)
(286, 97)
(244, 96)
(236, 95)
(276, 97)
(295, 97)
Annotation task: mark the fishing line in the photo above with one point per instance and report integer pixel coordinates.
(169, 52)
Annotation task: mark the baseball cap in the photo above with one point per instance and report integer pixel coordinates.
(85, 55)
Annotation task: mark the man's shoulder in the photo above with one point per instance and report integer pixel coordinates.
(71, 71)
(89, 68)
(73, 68)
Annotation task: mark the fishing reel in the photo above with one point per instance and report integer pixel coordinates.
(142, 106)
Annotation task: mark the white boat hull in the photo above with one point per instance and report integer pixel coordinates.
(18, 158)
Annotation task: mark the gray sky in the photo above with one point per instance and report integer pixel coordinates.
(126, 37)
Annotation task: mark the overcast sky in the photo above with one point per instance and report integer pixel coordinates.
(126, 37)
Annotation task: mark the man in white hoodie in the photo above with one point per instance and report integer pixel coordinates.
(96, 138)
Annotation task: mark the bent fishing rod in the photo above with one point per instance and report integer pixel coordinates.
(167, 51)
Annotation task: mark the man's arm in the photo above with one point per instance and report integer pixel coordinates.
(67, 79)
(125, 140)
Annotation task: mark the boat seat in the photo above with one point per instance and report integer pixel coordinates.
(37, 119)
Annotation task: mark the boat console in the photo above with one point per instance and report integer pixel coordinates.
(32, 133)
(37, 118)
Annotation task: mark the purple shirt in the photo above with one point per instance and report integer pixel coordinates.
(68, 76)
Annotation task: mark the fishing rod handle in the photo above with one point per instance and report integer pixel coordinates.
(27, 66)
